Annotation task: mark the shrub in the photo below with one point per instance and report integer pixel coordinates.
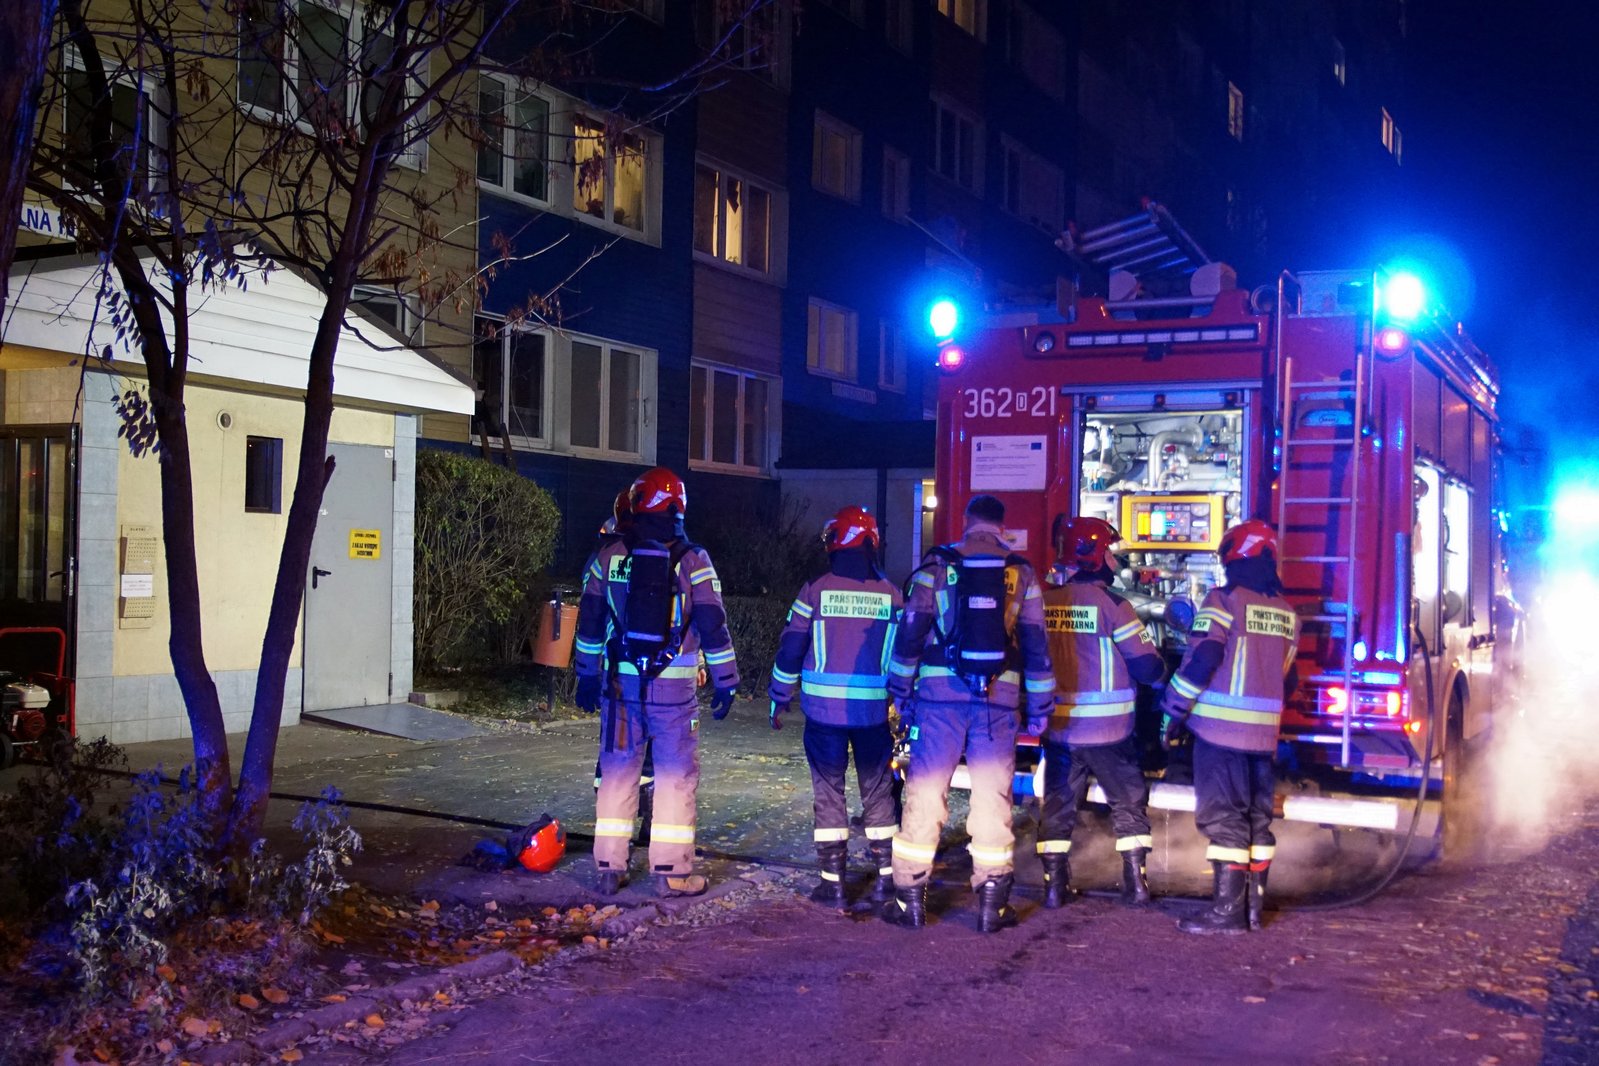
(756, 623)
(759, 554)
(51, 835)
(484, 534)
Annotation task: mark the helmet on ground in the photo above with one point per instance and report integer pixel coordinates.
(658, 491)
(1248, 540)
(851, 528)
(1085, 542)
(541, 845)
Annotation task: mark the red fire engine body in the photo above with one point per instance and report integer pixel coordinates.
(1369, 443)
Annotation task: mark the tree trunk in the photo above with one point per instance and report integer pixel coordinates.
(24, 38)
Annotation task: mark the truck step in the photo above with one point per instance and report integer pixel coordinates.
(1290, 500)
(1340, 442)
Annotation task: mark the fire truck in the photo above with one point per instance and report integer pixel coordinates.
(1340, 406)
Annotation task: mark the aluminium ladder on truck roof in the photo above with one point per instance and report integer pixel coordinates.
(1146, 245)
(1318, 476)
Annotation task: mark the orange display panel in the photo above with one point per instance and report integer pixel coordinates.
(1172, 523)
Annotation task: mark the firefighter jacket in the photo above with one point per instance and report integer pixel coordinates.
(1231, 680)
(920, 664)
(1099, 648)
(836, 648)
(699, 620)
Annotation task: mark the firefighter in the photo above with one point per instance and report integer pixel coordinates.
(614, 529)
(835, 649)
(1099, 649)
(650, 606)
(972, 637)
(1229, 694)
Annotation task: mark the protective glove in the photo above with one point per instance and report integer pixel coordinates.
(1036, 725)
(588, 693)
(778, 710)
(721, 703)
(1174, 729)
(906, 709)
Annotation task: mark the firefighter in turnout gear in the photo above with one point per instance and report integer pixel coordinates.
(971, 642)
(835, 650)
(618, 528)
(1099, 649)
(651, 605)
(1229, 693)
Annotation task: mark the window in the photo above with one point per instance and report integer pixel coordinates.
(1340, 63)
(896, 184)
(136, 123)
(1235, 112)
(515, 155)
(836, 158)
(758, 41)
(610, 173)
(263, 475)
(733, 418)
(969, 15)
(733, 219)
(510, 371)
(1035, 190)
(1391, 137)
(399, 312)
(957, 147)
(891, 358)
(830, 340)
(1038, 50)
(899, 25)
(606, 398)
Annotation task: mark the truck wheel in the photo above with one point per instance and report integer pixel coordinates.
(1458, 816)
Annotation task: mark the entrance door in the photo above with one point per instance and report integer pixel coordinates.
(349, 590)
(38, 471)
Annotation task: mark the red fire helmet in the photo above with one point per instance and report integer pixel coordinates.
(1247, 540)
(659, 491)
(851, 528)
(1085, 542)
(542, 845)
(622, 510)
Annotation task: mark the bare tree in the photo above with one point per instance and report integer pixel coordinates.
(216, 141)
(24, 40)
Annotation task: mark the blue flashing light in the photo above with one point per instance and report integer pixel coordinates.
(942, 318)
(1404, 297)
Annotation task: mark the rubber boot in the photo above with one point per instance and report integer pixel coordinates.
(995, 912)
(1228, 912)
(1135, 883)
(908, 908)
(668, 886)
(1057, 881)
(883, 884)
(611, 882)
(829, 890)
(1258, 872)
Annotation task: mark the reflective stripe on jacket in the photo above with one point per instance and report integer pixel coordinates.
(1240, 705)
(1092, 633)
(919, 661)
(836, 648)
(696, 609)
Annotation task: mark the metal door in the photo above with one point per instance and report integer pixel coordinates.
(349, 590)
(38, 530)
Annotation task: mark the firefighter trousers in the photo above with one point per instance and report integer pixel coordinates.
(1066, 773)
(827, 749)
(986, 734)
(1234, 792)
(628, 728)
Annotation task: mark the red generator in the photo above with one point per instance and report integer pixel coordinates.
(36, 695)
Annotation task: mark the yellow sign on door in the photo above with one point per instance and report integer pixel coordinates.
(366, 543)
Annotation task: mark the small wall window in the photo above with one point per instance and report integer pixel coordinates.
(831, 340)
(263, 475)
(836, 158)
(891, 358)
(969, 15)
(515, 153)
(896, 184)
(735, 219)
(1235, 112)
(958, 147)
(1340, 63)
(1391, 138)
(733, 417)
(899, 25)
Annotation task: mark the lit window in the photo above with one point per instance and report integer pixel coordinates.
(831, 340)
(891, 358)
(1235, 112)
(733, 419)
(958, 147)
(515, 153)
(1340, 62)
(510, 371)
(610, 173)
(1035, 189)
(899, 25)
(836, 158)
(1392, 139)
(757, 40)
(1038, 50)
(969, 15)
(733, 219)
(263, 475)
(896, 184)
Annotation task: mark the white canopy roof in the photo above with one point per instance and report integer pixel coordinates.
(259, 336)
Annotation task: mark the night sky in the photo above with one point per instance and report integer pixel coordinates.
(1503, 138)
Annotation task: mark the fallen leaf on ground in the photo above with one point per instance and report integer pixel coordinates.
(196, 1026)
(374, 1020)
(166, 973)
(293, 1054)
(248, 1002)
(1254, 999)
(335, 997)
(491, 906)
(164, 1046)
(275, 995)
